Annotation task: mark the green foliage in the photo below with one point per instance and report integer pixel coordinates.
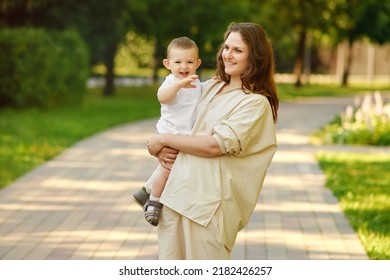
(204, 21)
(41, 69)
(103, 25)
(366, 124)
(376, 20)
(354, 19)
(72, 69)
(30, 137)
(286, 22)
(135, 52)
(106, 23)
(361, 182)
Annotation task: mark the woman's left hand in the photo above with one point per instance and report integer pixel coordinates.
(154, 145)
(167, 157)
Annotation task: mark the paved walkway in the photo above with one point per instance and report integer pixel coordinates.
(79, 205)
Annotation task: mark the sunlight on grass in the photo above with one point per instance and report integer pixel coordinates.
(289, 91)
(361, 182)
(30, 137)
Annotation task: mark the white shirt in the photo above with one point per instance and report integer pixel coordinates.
(178, 116)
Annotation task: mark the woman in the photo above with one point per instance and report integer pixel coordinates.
(218, 173)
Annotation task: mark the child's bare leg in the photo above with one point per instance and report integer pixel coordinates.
(159, 184)
(153, 206)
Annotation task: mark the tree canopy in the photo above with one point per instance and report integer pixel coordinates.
(105, 24)
(354, 19)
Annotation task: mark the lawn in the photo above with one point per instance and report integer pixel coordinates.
(30, 137)
(361, 183)
(289, 91)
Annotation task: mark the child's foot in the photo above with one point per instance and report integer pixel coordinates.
(141, 196)
(152, 210)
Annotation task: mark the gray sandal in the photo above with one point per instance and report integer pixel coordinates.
(152, 214)
(141, 196)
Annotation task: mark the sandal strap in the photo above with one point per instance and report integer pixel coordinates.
(154, 203)
(153, 215)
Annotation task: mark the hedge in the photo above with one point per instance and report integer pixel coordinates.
(42, 69)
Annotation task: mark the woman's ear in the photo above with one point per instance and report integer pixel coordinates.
(166, 64)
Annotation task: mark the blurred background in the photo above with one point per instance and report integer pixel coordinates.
(334, 41)
(71, 68)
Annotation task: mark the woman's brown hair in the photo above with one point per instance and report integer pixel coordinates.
(259, 77)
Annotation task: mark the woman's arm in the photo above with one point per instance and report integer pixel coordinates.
(203, 146)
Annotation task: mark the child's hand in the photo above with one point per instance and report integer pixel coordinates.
(187, 82)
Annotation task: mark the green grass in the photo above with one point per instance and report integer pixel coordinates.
(289, 91)
(30, 137)
(361, 182)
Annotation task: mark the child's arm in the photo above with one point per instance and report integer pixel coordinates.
(166, 94)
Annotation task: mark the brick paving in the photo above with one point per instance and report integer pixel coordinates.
(79, 205)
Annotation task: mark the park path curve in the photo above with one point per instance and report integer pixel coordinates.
(79, 205)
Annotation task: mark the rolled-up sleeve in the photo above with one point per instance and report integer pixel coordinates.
(227, 139)
(243, 126)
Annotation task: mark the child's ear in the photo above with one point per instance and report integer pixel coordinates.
(166, 64)
(198, 63)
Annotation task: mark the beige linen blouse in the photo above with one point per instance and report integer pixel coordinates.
(244, 128)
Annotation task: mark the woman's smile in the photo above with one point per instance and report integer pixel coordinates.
(235, 55)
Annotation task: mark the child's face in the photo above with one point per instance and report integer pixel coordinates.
(182, 63)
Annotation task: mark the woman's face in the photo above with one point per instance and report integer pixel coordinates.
(235, 55)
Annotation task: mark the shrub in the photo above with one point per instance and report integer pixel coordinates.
(366, 123)
(41, 69)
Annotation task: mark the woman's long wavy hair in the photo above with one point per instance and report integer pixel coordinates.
(259, 77)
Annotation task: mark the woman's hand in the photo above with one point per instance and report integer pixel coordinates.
(167, 157)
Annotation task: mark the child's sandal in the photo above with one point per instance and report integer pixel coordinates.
(141, 196)
(152, 214)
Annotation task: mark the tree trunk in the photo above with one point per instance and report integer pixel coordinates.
(156, 57)
(110, 64)
(299, 60)
(307, 64)
(347, 65)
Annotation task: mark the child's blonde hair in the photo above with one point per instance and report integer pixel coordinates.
(184, 43)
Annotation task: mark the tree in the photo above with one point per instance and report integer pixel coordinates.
(212, 20)
(103, 25)
(24, 12)
(204, 21)
(354, 19)
(292, 18)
